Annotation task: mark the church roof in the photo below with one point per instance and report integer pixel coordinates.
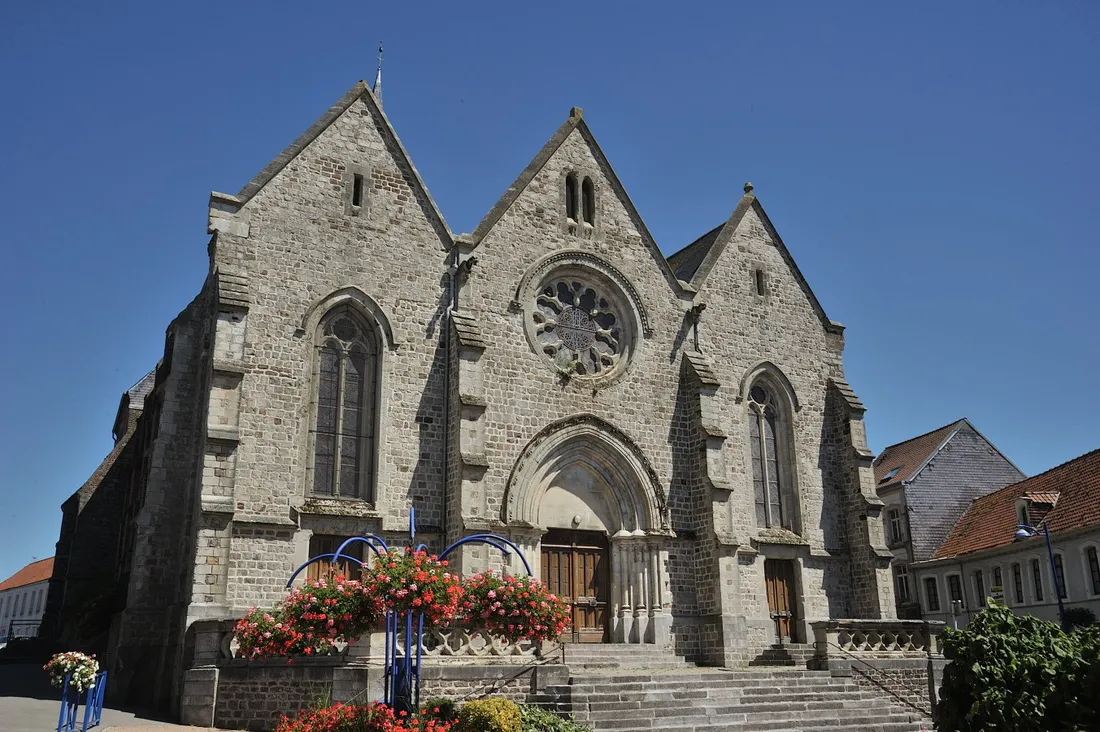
(142, 389)
(39, 571)
(990, 522)
(685, 263)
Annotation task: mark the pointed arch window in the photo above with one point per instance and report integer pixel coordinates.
(588, 201)
(771, 473)
(344, 425)
(571, 197)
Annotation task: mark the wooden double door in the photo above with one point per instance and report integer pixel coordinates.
(576, 566)
(782, 605)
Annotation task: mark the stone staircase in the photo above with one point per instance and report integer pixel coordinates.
(620, 688)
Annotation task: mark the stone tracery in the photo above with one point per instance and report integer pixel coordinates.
(576, 323)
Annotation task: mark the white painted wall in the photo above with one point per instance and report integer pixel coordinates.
(26, 603)
(1081, 590)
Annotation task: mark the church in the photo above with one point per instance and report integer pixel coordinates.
(671, 440)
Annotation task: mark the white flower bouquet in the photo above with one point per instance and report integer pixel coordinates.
(80, 668)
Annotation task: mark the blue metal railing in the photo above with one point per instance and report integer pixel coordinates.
(70, 704)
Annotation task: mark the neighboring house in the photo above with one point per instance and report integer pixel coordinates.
(982, 557)
(926, 484)
(22, 600)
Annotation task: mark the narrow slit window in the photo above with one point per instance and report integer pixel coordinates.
(357, 190)
(1018, 583)
(588, 193)
(761, 283)
(571, 197)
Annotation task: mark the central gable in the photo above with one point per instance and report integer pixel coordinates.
(568, 176)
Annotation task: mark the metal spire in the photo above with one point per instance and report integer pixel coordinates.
(378, 77)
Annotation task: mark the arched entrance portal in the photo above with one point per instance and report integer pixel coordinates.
(585, 501)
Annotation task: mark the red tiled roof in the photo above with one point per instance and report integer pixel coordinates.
(34, 572)
(910, 455)
(990, 522)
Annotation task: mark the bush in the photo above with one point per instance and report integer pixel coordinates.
(537, 719)
(441, 708)
(375, 717)
(1079, 617)
(490, 715)
(1019, 673)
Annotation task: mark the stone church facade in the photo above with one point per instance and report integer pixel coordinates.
(671, 440)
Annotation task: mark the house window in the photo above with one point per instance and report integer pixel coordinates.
(931, 594)
(320, 544)
(1021, 513)
(774, 498)
(343, 460)
(1059, 577)
(571, 197)
(1018, 583)
(1037, 579)
(588, 201)
(955, 590)
(901, 582)
(998, 585)
(895, 525)
(979, 586)
(1094, 569)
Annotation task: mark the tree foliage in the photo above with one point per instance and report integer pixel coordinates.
(1017, 673)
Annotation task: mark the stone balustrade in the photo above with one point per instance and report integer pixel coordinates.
(884, 638)
(214, 644)
(460, 643)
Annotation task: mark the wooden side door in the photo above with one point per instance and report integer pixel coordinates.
(779, 580)
(575, 566)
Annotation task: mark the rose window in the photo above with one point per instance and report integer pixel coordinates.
(578, 327)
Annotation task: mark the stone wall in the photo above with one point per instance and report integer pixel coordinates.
(906, 681)
(237, 694)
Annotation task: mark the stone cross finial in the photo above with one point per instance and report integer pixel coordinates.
(378, 77)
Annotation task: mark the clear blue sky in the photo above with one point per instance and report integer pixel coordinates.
(933, 167)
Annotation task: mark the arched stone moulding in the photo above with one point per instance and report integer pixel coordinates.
(359, 300)
(634, 514)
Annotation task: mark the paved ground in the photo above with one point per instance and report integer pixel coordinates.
(29, 704)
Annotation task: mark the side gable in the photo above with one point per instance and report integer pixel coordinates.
(963, 467)
(361, 91)
(574, 122)
(694, 262)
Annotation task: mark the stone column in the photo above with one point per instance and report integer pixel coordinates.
(621, 559)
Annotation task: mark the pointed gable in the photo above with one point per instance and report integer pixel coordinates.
(359, 92)
(574, 124)
(694, 262)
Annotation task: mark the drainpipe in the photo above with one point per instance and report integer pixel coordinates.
(452, 298)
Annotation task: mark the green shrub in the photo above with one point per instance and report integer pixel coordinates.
(441, 708)
(537, 719)
(1019, 673)
(1079, 617)
(489, 715)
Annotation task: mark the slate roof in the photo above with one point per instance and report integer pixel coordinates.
(685, 263)
(142, 389)
(990, 521)
(39, 571)
(912, 455)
